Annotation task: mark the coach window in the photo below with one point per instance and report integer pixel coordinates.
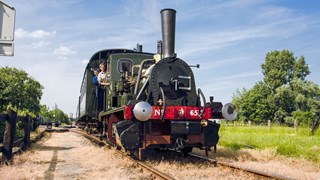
(125, 65)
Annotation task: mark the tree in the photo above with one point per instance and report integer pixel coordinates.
(301, 69)
(280, 68)
(284, 95)
(18, 89)
(55, 115)
(284, 102)
(44, 111)
(253, 104)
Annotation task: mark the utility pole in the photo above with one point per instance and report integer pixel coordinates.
(55, 111)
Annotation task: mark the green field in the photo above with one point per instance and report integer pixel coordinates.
(285, 140)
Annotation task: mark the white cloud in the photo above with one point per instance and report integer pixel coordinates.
(62, 57)
(218, 85)
(37, 34)
(213, 63)
(240, 75)
(209, 41)
(274, 12)
(40, 44)
(63, 50)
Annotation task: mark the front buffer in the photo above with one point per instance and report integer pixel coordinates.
(182, 131)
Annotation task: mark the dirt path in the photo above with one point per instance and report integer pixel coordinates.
(69, 156)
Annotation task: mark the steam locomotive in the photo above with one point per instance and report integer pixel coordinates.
(152, 100)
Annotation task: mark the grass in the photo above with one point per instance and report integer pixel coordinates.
(285, 140)
(35, 134)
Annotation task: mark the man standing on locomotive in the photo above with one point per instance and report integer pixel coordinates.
(102, 76)
(103, 83)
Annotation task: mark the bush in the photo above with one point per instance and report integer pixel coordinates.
(304, 117)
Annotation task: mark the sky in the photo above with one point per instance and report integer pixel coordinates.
(54, 39)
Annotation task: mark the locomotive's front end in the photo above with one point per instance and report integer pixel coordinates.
(172, 112)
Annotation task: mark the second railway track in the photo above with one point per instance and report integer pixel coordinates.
(246, 169)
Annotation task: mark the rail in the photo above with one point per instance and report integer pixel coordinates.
(155, 172)
(246, 169)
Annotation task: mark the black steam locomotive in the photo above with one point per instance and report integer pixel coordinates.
(152, 100)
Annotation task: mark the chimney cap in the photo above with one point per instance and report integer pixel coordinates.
(168, 9)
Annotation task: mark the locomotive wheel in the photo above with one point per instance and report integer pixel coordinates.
(111, 135)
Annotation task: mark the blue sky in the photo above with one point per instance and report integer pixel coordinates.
(229, 39)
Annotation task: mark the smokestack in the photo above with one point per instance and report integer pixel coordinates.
(139, 48)
(168, 20)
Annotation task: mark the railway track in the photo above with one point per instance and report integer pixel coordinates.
(246, 169)
(156, 173)
(160, 175)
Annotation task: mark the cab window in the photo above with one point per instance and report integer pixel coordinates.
(125, 65)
